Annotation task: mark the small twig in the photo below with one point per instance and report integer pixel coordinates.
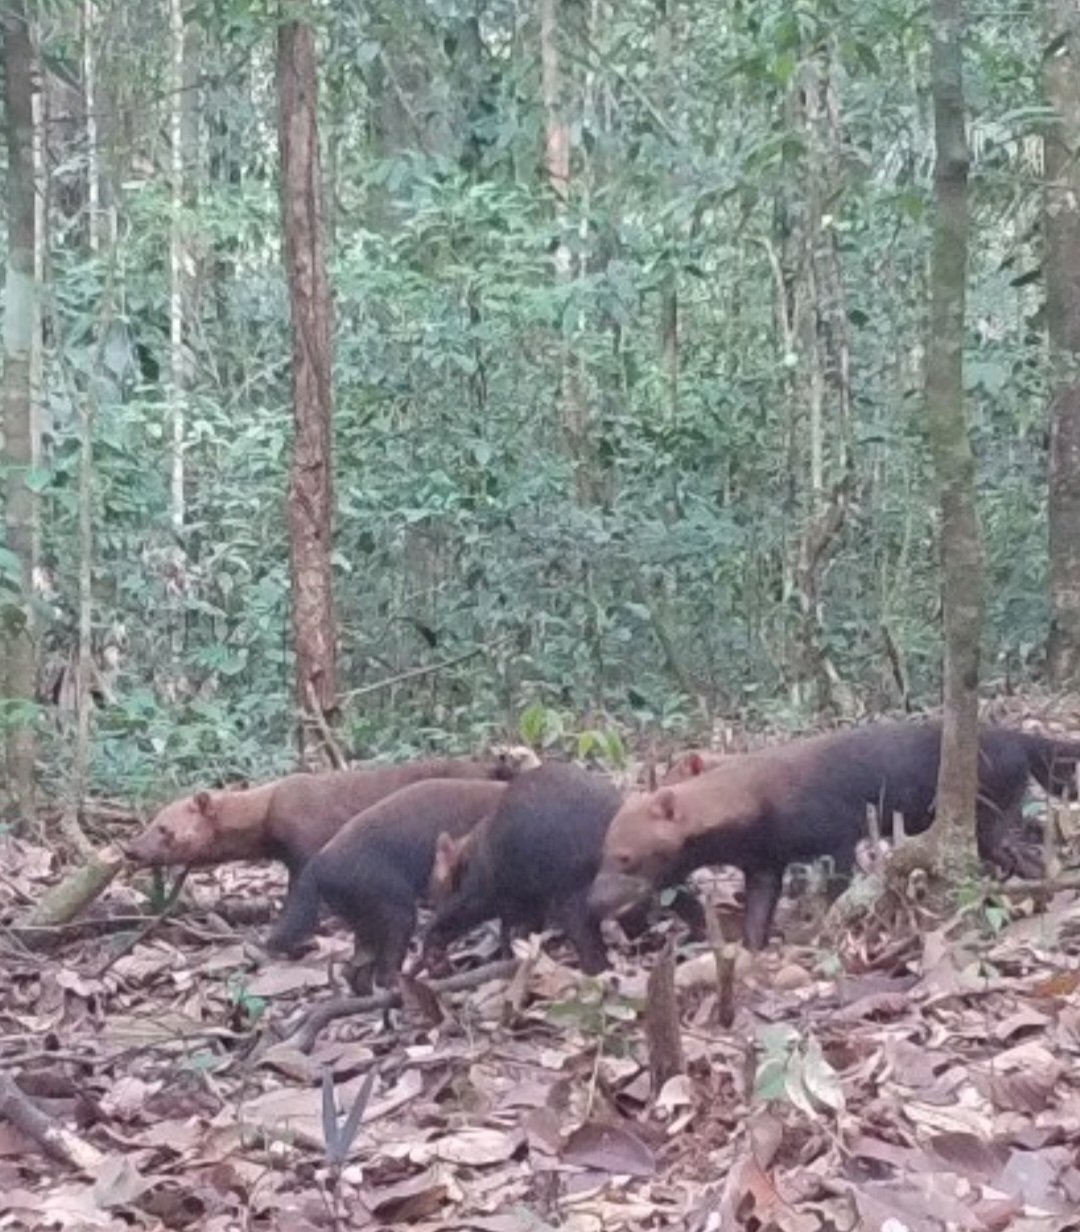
(144, 932)
(56, 1141)
(724, 957)
(654, 115)
(307, 1032)
(333, 749)
(414, 672)
(1016, 889)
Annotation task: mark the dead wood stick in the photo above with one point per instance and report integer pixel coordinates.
(662, 1029)
(76, 892)
(333, 749)
(56, 1141)
(724, 957)
(154, 922)
(1019, 888)
(307, 1032)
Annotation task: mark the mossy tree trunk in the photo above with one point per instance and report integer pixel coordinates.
(1061, 226)
(953, 836)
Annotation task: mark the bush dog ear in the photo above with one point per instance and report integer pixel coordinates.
(445, 848)
(204, 802)
(664, 805)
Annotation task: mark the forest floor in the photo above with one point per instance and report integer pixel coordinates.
(919, 1071)
(923, 1075)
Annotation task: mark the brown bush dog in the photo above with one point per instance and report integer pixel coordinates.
(529, 864)
(452, 856)
(762, 811)
(374, 871)
(291, 818)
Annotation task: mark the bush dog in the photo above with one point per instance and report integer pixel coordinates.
(291, 818)
(532, 864)
(374, 871)
(762, 811)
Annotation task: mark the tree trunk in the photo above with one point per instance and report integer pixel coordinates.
(557, 167)
(20, 320)
(177, 263)
(310, 501)
(84, 701)
(1061, 222)
(669, 288)
(954, 462)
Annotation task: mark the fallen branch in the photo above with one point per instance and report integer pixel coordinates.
(307, 1032)
(167, 908)
(415, 673)
(76, 892)
(1019, 888)
(56, 1141)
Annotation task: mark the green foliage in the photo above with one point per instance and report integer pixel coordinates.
(460, 544)
(595, 1012)
(250, 1007)
(793, 1069)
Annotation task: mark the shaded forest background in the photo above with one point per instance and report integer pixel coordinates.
(638, 451)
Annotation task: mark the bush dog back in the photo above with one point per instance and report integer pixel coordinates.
(762, 811)
(534, 861)
(373, 872)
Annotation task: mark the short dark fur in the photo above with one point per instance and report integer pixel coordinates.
(808, 799)
(374, 871)
(534, 861)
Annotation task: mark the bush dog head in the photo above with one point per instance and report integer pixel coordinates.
(197, 831)
(642, 847)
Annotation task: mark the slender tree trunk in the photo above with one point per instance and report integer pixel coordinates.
(669, 289)
(39, 416)
(954, 462)
(20, 320)
(177, 263)
(1061, 214)
(557, 167)
(84, 701)
(310, 502)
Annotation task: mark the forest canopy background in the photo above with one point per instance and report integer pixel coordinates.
(736, 517)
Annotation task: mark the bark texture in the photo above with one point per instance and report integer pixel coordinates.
(310, 500)
(1061, 215)
(954, 461)
(20, 318)
(557, 168)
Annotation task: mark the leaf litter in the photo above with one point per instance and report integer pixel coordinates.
(899, 1080)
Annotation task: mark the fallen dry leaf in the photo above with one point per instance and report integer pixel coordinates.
(608, 1148)
(407, 1201)
(473, 1147)
(118, 1183)
(277, 980)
